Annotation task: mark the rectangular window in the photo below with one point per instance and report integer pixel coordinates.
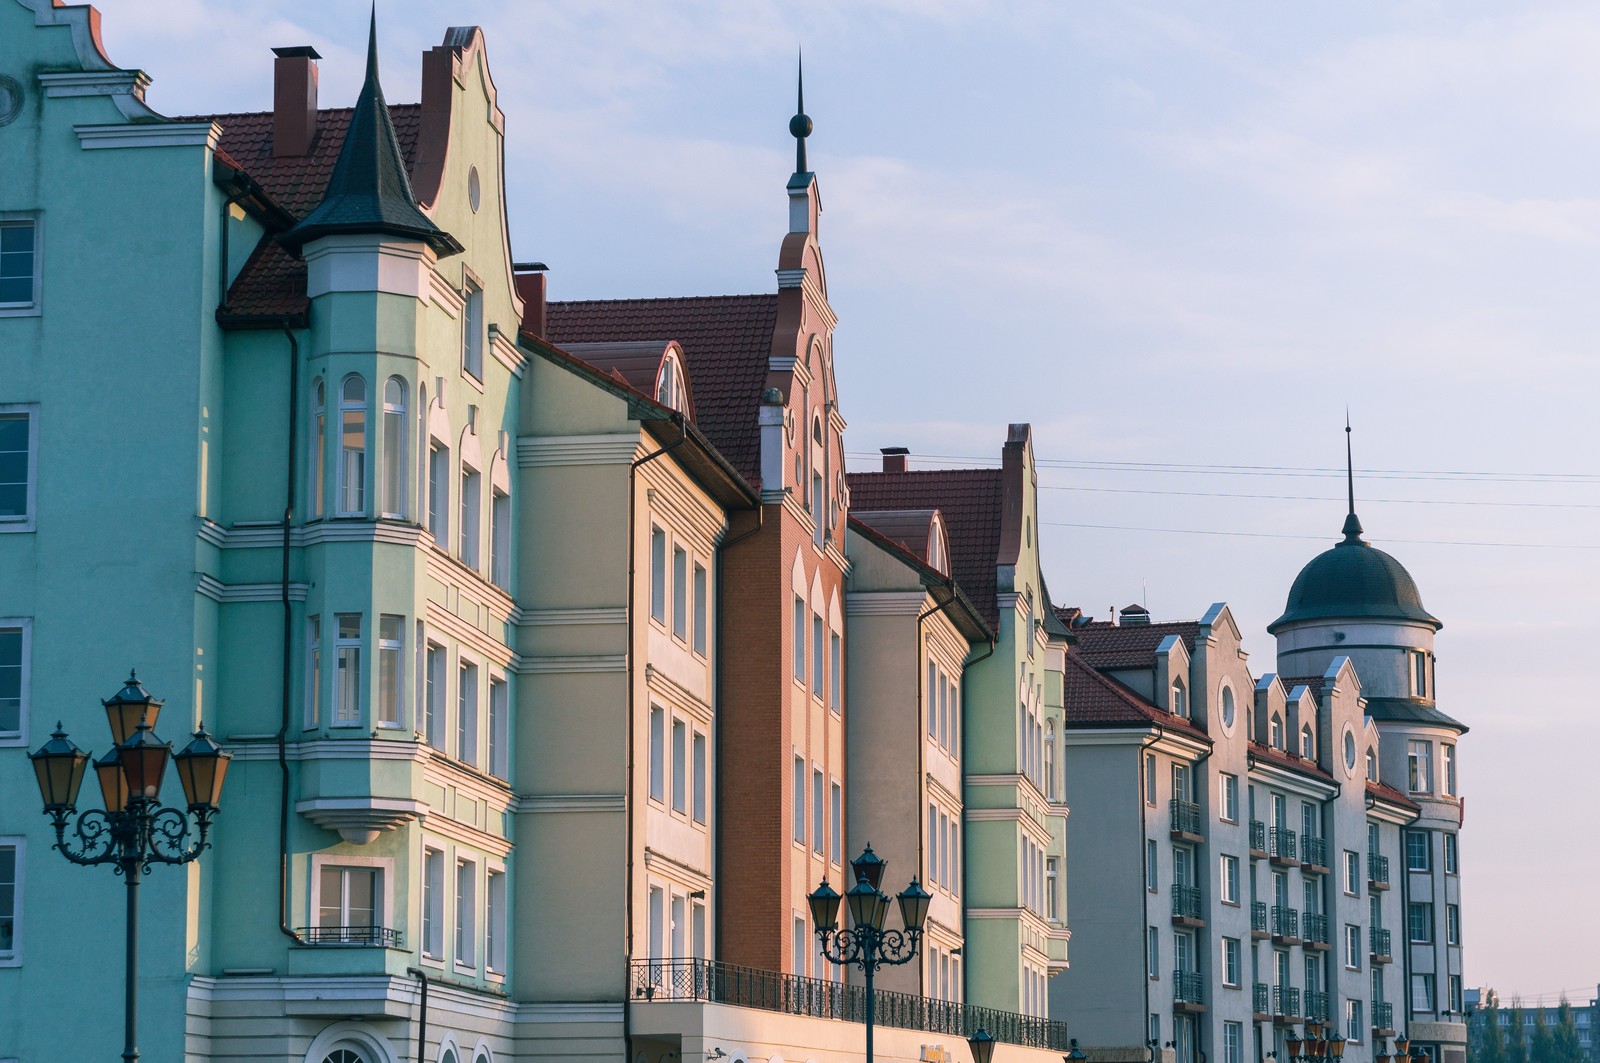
(472, 330)
(1229, 787)
(943, 730)
(933, 843)
(1452, 924)
(835, 822)
(1419, 673)
(680, 766)
(1354, 1027)
(1422, 994)
(658, 574)
(680, 592)
(319, 449)
(353, 448)
(466, 912)
(467, 713)
(1417, 851)
(1180, 782)
(702, 608)
(1150, 865)
(347, 684)
(439, 492)
(1052, 876)
(680, 927)
(1352, 873)
(1230, 880)
(494, 922)
(1352, 947)
(499, 740)
(393, 503)
(1419, 765)
(10, 899)
(799, 639)
(1452, 857)
(348, 901)
(1419, 921)
(818, 645)
(658, 753)
(1455, 995)
(1152, 952)
(433, 904)
(1233, 1042)
(389, 671)
(19, 258)
(18, 445)
(699, 777)
(1231, 953)
(819, 843)
(313, 671)
(656, 913)
(802, 953)
(799, 808)
(931, 699)
(435, 679)
(1448, 752)
(500, 539)
(835, 671)
(1149, 778)
(471, 506)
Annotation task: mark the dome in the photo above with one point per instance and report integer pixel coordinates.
(1353, 581)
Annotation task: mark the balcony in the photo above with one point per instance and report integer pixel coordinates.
(1258, 919)
(656, 981)
(1378, 941)
(1316, 932)
(367, 936)
(1188, 991)
(1186, 908)
(1285, 1004)
(1281, 842)
(1285, 925)
(1383, 1018)
(1316, 1006)
(1261, 1001)
(1185, 821)
(1377, 872)
(1314, 854)
(1258, 840)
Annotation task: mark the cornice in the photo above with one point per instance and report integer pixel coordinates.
(612, 448)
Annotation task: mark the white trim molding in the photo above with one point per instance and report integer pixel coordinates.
(155, 135)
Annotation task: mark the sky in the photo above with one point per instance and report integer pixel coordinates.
(1179, 240)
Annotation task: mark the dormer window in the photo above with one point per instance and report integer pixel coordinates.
(938, 559)
(1307, 748)
(669, 385)
(1179, 703)
(1372, 765)
(1275, 732)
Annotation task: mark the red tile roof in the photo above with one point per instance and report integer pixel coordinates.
(1294, 762)
(1095, 700)
(1312, 683)
(909, 529)
(970, 500)
(1385, 792)
(1110, 646)
(727, 340)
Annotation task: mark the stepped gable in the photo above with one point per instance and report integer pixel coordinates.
(971, 502)
(726, 339)
(1095, 700)
(1109, 646)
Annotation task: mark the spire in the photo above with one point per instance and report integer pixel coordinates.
(369, 192)
(800, 124)
(1352, 523)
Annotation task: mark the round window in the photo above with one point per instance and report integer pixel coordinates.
(1228, 711)
(1350, 750)
(474, 190)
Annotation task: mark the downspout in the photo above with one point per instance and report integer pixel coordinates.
(422, 1019)
(966, 965)
(288, 636)
(1144, 888)
(629, 805)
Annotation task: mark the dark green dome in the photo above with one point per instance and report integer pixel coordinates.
(1353, 581)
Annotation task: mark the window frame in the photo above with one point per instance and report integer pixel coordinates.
(1352, 873)
(341, 643)
(466, 912)
(1452, 853)
(439, 483)
(27, 522)
(18, 845)
(496, 924)
(1426, 851)
(391, 659)
(435, 693)
(469, 729)
(1419, 766)
(473, 329)
(1229, 882)
(1150, 779)
(497, 727)
(657, 739)
(500, 538)
(1352, 946)
(680, 592)
(1228, 787)
(1424, 909)
(799, 622)
(392, 424)
(700, 610)
(342, 491)
(34, 305)
(383, 890)
(23, 626)
(469, 545)
(432, 910)
(1232, 953)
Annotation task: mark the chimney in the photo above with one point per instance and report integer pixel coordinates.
(294, 100)
(1135, 614)
(529, 279)
(894, 459)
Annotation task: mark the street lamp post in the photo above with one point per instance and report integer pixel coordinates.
(1317, 1046)
(134, 830)
(867, 944)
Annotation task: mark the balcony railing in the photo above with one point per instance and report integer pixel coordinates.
(1378, 871)
(1186, 902)
(1285, 1001)
(1378, 940)
(1185, 817)
(1188, 988)
(1261, 998)
(1258, 917)
(1316, 1006)
(791, 994)
(1314, 851)
(1316, 929)
(1285, 922)
(1258, 836)
(1282, 840)
(376, 936)
(1382, 1015)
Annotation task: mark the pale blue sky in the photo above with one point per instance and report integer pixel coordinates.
(1163, 233)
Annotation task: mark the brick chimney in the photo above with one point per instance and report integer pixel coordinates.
(529, 279)
(294, 100)
(894, 458)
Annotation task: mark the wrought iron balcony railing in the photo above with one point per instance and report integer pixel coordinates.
(1285, 922)
(1286, 1001)
(1316, 928)
(792, 994)
(1382, 1015)
(1261, 998)
(1258, 917)
(1378, 940)
(1316, 1006)
(1314, 851)
(1282, 840)
(1185, 816)
(1258, 836)
(378, 936)
(1186, 902)
(1188, 988)
(1378, 870)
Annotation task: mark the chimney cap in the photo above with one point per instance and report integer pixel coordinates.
(888, 451)
(298, 51)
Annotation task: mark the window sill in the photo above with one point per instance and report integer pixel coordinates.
(16, 527)
(21, 310)
(470, 972)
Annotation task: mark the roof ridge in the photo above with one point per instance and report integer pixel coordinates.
(661, 299)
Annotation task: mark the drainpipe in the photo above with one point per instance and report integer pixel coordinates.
(1144, 888)
(628, 804)
(288, 636)
(422, 1019)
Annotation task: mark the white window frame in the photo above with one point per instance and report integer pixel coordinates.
(1447, 769)
(798, 809)
(835, 671)
(1419, 766)
(28, 520)
(700, 767)
(35, 305)
(393, 482)
(701, 609)
(342, 487)
(835, 821)
(385, 917)
(433, 907)
(819, 810)
(657, 747)
(1352, 947)
(19, 845)
(679, 783)
(336, 707)
(1228, 787)
(658, 574)
(800, 620)
(473, 329)
(1354, 1021)
(473, 729)
(438, 510)
(497, 727)
(500, 538)
(436, 693)
(496, 921)
(312, 716)
(466, 911)
(470, 546)
(23, 625)
(1232, 956)
(680, 592)
(1229, 874)
(1352, 873)
(1150, 779)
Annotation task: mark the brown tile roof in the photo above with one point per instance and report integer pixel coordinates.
(1385, 792)
(1292, 761)
(1107, 645)
(727, 340)
(910, 529)
(1095, 700)
(970, 500)
(1312, 683)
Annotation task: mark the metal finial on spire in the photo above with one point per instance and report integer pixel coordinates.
(800, 124)
(372, 44)
(1352, 523)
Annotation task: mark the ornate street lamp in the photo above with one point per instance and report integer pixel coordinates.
(134, 830)
(1074, 1056)
(867, 944)
(982, 1045)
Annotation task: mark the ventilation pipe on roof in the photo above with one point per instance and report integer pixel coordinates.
(294, 100)
(529, 279)
(894, 459)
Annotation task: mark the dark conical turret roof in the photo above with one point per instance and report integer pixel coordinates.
(369, 192)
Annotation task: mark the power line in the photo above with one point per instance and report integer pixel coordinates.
(1322, 538)
(1318, 498)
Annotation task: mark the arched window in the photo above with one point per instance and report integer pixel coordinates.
(669, 385)
(819, 492)
(1228, 710)
(394, 448)
(1307, 750)
(1275, 736)
(353, 446)
(343, 1055)
(1050, 761)
(319, 445)
(1179, 705)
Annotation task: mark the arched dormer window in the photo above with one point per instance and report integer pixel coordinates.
(1308, 748)
(319, 446)
(938, 551)
(353, 446)
(1179, 704)
(669, 384)
(1275, 732)
(395, 476)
